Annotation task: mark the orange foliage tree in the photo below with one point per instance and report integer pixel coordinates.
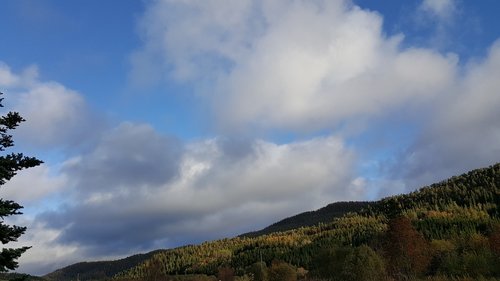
(225, 273)
(494, 239)
(406, 250)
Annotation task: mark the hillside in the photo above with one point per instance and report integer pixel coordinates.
(19, 277)
(323, 215)
(447, 213)
(98, 269)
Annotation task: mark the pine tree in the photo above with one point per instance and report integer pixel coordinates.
(10, 164)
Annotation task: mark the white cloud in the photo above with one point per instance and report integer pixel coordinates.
(463, 131)
(55, 115)
(46, 254)
(10, 80)
(312, 66)
(6, 77)
(34, 184)
(289, 64)
(268, 172)
(218, 27)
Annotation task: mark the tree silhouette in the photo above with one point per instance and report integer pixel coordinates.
(10, 164)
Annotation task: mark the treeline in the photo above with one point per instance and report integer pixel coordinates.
(446, 231)
(323, 215)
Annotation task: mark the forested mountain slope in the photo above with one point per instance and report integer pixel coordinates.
(454, 218)
(98, 269)
(323, 215)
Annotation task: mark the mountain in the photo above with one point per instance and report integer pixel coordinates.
(457, 216)
(98, 269)
(323, 215)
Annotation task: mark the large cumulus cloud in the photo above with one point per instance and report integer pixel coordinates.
(316, 66)
(300, 65)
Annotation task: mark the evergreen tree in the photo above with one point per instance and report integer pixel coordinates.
(329, 262)
(363, 264)
(10, 164)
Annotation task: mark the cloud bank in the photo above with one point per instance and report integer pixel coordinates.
(464, 131)
(167, 194)
(318, 66)
(135, 189)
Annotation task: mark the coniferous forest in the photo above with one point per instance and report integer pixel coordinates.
(447, 231)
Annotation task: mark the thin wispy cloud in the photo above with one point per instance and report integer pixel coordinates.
(443, 10)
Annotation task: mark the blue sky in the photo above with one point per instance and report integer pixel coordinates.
(166, 122)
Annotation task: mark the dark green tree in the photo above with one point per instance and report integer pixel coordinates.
(363, 264)
(329, 262)
(10, 164)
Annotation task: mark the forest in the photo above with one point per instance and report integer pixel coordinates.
(446, 231)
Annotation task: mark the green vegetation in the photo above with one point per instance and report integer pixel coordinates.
(447, 231)
(324, 215)
(10, 164)
(19, 277)
(98, 269)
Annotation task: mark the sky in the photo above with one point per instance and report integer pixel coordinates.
(170, 122)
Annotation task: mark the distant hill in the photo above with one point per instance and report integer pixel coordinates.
(19, 277)
(97, 269)
(324, 215)
(452, 209)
